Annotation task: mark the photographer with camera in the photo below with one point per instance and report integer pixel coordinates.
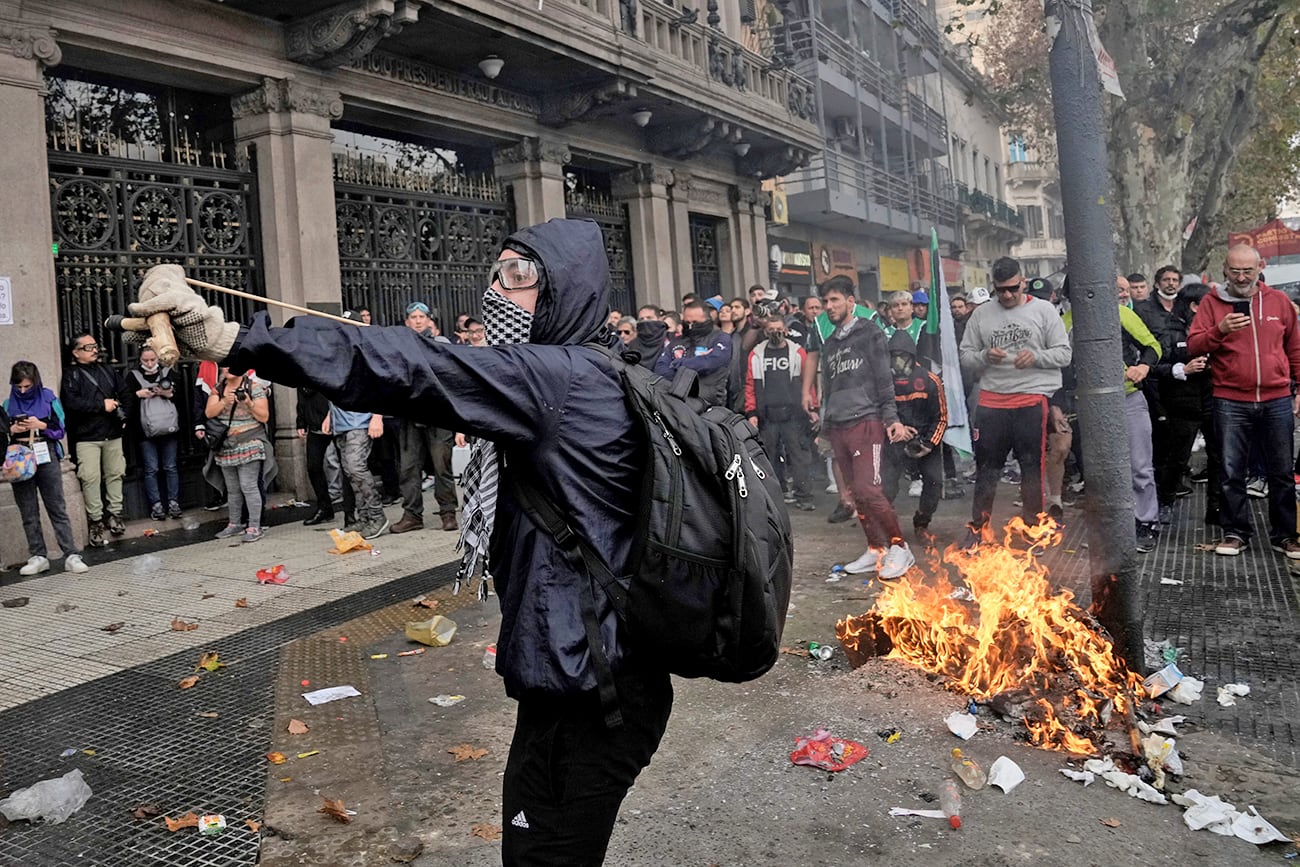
(241, 450)
(98, 400)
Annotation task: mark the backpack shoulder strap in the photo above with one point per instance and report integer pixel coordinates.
(542, 512)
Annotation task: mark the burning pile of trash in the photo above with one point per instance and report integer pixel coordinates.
(1003, 635)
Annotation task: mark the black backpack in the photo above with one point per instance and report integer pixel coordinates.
(712, 560)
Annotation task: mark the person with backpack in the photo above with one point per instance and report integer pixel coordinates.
(241, 450)
(923, 410)
(33, 417)
(160, 424)
(554, 410)
(859, 415)
(98, 401)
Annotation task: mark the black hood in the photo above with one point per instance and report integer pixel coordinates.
(649, 341)
(902, 342)
(573, 302)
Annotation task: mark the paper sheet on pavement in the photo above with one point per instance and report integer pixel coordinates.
(329, 693)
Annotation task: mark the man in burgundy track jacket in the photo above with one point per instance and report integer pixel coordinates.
(1251, 335)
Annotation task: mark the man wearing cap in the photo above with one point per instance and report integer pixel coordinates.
(920, 304)
(417, 442)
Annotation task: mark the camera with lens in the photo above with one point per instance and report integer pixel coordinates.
(121, 414)
(243, 392)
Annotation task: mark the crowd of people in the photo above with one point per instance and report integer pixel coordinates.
(1206, 366)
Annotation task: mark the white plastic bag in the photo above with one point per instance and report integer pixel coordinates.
(54, 800)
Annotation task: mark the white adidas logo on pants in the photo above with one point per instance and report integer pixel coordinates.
(519, 821)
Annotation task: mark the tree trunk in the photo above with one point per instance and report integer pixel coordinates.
(1174, 140)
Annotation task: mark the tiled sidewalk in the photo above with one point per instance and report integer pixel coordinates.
(45, 650)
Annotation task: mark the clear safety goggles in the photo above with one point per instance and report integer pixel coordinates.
(515, 274)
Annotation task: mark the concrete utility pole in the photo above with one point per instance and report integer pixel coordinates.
(1081, 150)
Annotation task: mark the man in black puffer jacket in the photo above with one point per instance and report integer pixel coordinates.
(555, 412)
(98, 403)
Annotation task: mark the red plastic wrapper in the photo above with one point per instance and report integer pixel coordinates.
(274, 575)
(828, 753)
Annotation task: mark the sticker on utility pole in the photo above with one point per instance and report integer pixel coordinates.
(6, 301)
(1105, 63)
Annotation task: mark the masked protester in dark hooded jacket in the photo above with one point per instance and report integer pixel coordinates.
(553, 411)
(703, 348)
(651, 335)
(923, 410)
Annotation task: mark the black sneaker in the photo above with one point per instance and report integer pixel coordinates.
(1200, 477)
(115, 525)
(97, 539)
(157, 512)
(1055, 512)
(174, 510)
(973, 539)
(841, 514)
(1147, 537)
(1183, 491)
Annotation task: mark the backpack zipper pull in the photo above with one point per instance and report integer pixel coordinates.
(733, 468)
(757, 470)
(735, 472)
(668, 435)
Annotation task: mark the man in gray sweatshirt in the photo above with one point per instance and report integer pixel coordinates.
(1017, 347)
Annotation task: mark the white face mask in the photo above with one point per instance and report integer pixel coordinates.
(148, 367)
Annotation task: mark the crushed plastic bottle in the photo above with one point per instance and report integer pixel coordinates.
(490, 657)
(968, 770)
(837, 573)
(146, 565)
(950, 802)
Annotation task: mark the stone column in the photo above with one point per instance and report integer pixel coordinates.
(644, 189)
(750, 234)
(679, 240)
(288, 124)
(535, 169)
(25, 259)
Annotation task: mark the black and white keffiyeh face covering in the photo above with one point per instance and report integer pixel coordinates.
(506, 323)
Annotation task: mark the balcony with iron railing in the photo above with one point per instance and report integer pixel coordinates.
(812, 42)
(920, 21)
(979, 202)
(852, 188)
(1036, 172)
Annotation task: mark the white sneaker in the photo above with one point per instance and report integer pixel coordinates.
(866, 563)
(897, 560)
(914, 489)
(832, 488)
(73, 563)
(35, 566)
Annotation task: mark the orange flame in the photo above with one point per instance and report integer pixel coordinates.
(1017, 634)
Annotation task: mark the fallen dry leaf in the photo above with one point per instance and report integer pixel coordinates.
(336, 810)
(146, 811)
(1110, 822)
(179, 625)
(276, 758)
(208, 596)
(16, 602)
(64, 607)
(189, 820)
(253, 826)
(209, 662)
(187, 682)
(486, 831)
(467, 751)
(425, 603)
(112, 627)
(298, 727)
(242, 602)
(794, 651)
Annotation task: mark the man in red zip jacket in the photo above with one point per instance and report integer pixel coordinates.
(1251, 334)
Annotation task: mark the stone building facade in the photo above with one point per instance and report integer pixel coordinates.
(376, 152)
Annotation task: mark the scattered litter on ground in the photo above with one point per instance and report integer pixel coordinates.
(207, 714)
(179, 625)
(64, 607)
(208, 596)
(146, 811)
(273, 575)
(968, 770)
(1111, 822)
(337, 810)
(821, 750)
(189, 820)
(149, 532)
(486, 831)
(416, 652)
(424, 602)
(241, 602)
(794, 651)
(292, 504)
(253, 825)
(189, 524)
(435, 632)
(329, 693)
(1171, 582)
(1164, 726)
(962, 724)
(820, 652)
(1187, 691)
(90, 752)
(345, 542)
(146, 565)
(1085, 777)
(1117, 779)
(467, 752)
(15, 602)
(1005, 774)
(445, 700)
(1212, 813)
(212, 824)
(890, 735)
(1160, 682)
(297, 727)
(962, 594)
(53, 800)
(112, 627)
(379, 656)
(1230, 692)
(309, 754)
(277, 758)
(70, 751)
(924, 814)
(1161, 754)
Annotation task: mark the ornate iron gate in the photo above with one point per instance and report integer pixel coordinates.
(612, 218)
(114, 218)
(704, 255)
(416, 236)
